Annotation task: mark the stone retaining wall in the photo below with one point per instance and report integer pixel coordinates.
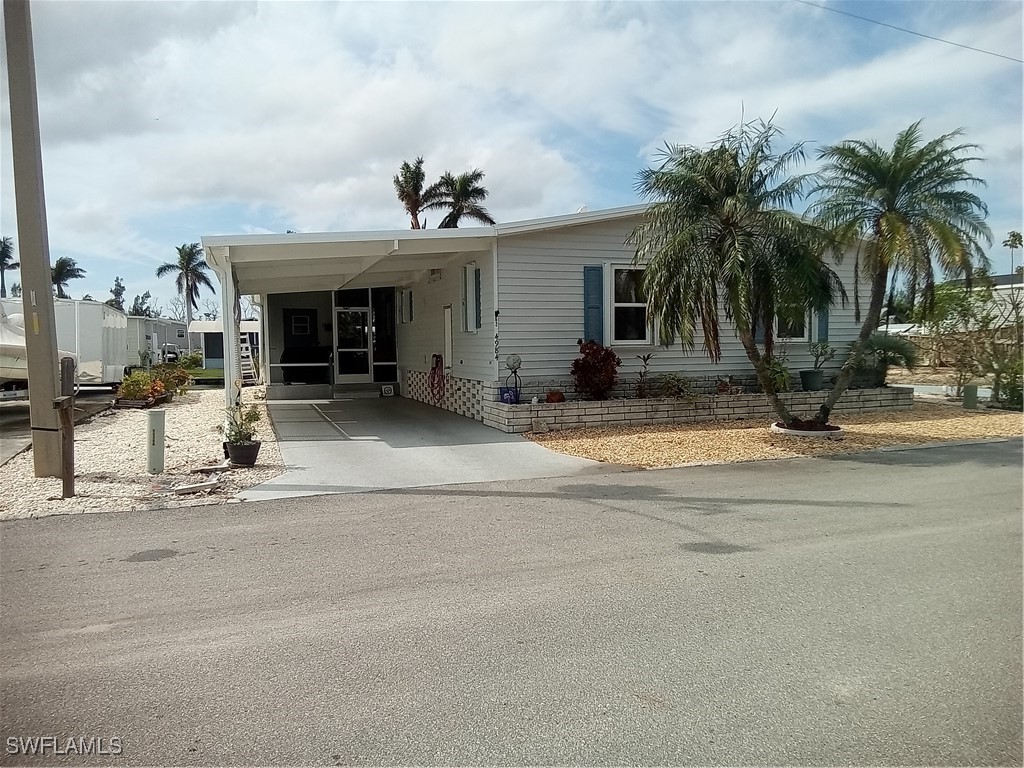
(605, 413)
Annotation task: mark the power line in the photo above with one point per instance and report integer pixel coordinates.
(909, 31)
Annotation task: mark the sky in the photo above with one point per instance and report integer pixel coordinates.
(162, 122)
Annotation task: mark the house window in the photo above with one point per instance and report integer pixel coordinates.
(300, 325)
(471, 314)
(629, 307)
(792, 329)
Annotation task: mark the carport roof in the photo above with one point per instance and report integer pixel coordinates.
(274, 263)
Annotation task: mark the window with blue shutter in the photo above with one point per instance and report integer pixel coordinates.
(593, 303)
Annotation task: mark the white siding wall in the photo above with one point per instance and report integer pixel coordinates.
(473, 353)
(541, 307)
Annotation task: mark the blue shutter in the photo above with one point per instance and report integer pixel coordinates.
(593, 304)
(476, 289)
(758, 333)
(823, 325)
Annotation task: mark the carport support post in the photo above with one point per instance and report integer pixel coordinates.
(220, 262)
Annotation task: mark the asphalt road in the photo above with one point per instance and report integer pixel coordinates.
(855, 610)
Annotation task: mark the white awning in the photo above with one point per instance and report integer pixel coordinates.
(327, 261)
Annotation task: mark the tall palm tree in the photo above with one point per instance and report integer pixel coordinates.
(409, 183)
(63, 271)
(462, 195)
(6, 262)
(718, 237)
(189, 277)
(908, 210)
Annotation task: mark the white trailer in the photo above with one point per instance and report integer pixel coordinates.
(95, 332)
(148, 335)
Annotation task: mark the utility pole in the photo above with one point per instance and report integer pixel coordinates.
(33, 245)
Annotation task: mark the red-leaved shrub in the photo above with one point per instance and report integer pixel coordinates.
(595, 370)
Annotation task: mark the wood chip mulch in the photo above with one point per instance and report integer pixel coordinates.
(666, 445)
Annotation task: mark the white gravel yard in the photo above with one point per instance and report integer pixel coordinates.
(110, 462)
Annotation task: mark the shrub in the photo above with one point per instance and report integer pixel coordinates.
(174, 377)
(192, 360)
(882, 351)
(595, 371)
(643, 385)
(674, 385)
(136, 386)
(778, 373)
(555, 396)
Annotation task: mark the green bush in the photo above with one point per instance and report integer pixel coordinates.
(674, 385)
(882, 351)
(779, 373)
(136, 386)
(191, 361)
(174, 377)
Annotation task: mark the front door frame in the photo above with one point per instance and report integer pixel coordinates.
(357, 378)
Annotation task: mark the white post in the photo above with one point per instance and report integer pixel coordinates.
(155, 441)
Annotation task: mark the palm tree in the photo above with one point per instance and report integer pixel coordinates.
(63, 271)
(409, 187)
(908, 210)
(1013, 241)
(189, 277)
(717, 237)
(6, 262)
(462, 195)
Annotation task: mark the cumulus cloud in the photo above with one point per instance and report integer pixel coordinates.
(164, 121)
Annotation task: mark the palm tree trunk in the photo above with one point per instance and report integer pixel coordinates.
(3, 284)
(764, 378)
(846, 373)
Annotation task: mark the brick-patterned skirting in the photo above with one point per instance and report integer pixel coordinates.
(462, 396)
(606, 413)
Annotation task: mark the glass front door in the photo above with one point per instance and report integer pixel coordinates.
(352, 361)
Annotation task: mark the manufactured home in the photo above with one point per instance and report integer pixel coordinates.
(210, 334)
(436, 313)
(147, 337)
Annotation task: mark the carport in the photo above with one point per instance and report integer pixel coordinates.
(364, 444)
(273, 267)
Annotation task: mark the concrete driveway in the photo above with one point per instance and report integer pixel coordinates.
(365, 444)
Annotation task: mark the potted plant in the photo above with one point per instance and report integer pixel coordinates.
(239, 430)
(814, 379)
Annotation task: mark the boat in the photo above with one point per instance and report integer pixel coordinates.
(13, 357)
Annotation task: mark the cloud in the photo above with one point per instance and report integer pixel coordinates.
(162, 121)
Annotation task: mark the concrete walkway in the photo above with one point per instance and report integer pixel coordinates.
(363, 444)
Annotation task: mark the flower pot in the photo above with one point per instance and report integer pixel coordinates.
(243, 454)
(812, 381)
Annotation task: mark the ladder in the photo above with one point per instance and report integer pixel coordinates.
(248, 369)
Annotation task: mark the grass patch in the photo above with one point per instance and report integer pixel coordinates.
(206, 373)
